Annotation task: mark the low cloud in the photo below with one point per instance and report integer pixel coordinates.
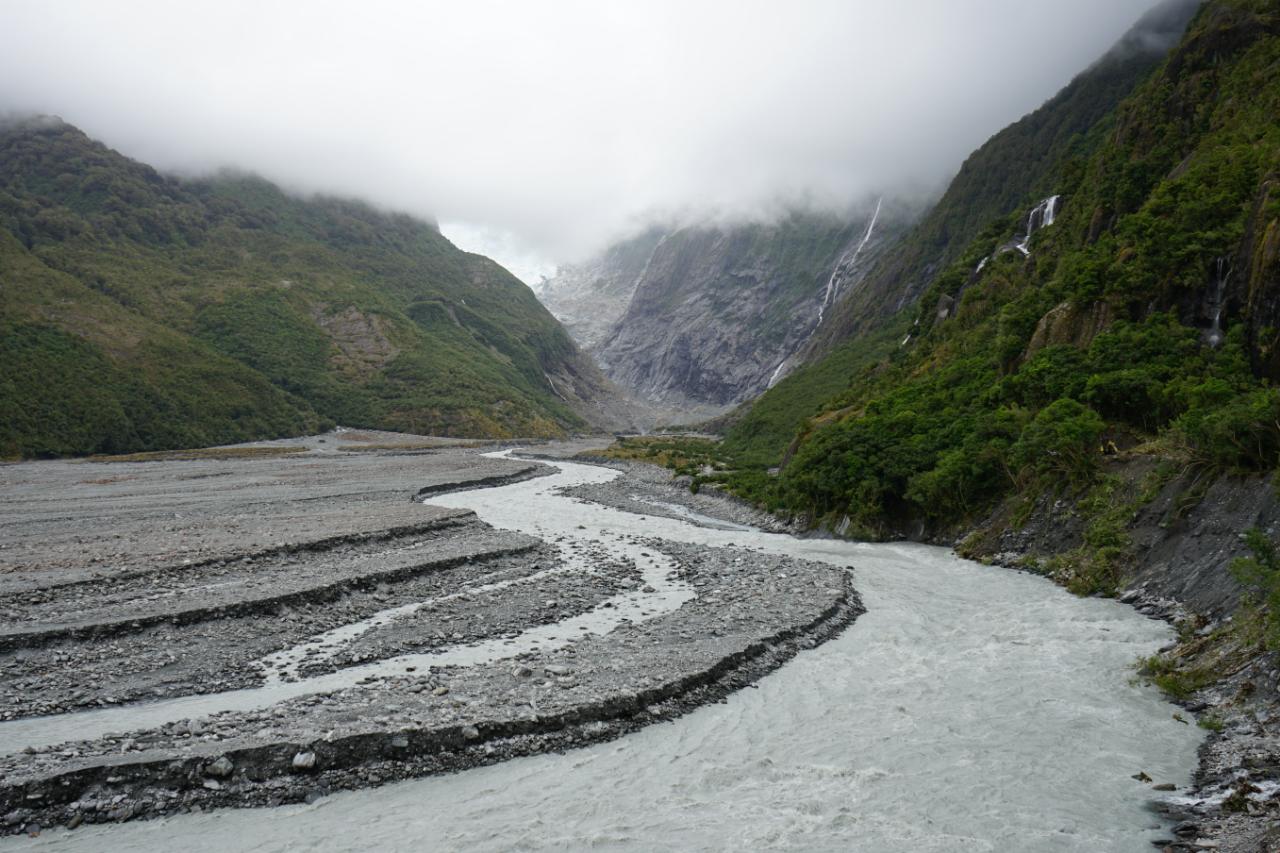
(556, 125)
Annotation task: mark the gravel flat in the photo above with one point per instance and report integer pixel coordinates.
(356, 634)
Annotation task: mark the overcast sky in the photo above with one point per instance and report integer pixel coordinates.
(541, 130)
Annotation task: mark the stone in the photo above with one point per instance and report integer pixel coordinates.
(470, 733)
(556, 669)
(304, 760)
(221, 768)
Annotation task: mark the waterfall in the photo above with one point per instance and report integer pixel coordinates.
(1214, 336)
(846, 263)
(982, 264)
(842, 268)
(773, 380)
(1047, 212)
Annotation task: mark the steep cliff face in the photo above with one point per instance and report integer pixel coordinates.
(589, 298)
(711, 316)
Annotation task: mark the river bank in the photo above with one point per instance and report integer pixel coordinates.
(1179, 533)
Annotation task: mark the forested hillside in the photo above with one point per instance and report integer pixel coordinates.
(1142, 322)
(139, 311)
(1017, 164)
(1010, 172)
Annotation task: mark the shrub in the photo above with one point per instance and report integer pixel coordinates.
(1261, 573)
(1241, 434)
(1061, 440)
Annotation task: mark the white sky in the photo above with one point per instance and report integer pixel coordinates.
(541, 130)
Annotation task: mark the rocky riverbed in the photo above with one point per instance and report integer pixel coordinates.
(267, 628)
(650, 490)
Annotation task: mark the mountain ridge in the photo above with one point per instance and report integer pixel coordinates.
(290, 314)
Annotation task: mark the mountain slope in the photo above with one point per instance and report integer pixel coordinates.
(1016, 167)
(705, 317)
(591, 297)
(1017, 164)
(223, 309)
(1141, 323)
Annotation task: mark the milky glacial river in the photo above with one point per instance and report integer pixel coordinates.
(970, 709)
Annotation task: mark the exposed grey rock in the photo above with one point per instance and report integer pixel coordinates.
(219, 768)
(697, 319)
(746, 620)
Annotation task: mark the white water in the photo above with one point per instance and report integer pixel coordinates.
(845, 263)
(972, 708)
(842, 267)
(1048, 212)
(1214, 335)
(777, 373)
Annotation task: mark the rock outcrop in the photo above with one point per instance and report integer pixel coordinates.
(710, 316)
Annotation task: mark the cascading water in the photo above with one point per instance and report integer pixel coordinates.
(842, 268)
(1042, 216)
(1214, 336)
(777, 374)
(845, 264)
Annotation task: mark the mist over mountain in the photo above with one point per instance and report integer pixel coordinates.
(565, 126)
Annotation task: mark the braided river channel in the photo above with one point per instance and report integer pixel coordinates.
(971, 708)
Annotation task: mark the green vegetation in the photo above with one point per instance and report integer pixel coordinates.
(760, 437)
(1026, 376)
(1261, 573)
(1211, 723)
(1022, 163)
(1201, 660)
(145, 313)
(684, 455)
(1144, 329)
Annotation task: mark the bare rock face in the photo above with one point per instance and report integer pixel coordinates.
(589, 298)
(698, 319)
(1070, 324)
(362, 341)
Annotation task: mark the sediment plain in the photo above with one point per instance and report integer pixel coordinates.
(257, 626)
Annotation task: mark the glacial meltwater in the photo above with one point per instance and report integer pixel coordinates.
(971, 708)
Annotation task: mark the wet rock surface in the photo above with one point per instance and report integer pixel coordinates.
(1233, 803)
(119, 633)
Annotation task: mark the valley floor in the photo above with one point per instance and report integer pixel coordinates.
(268, 625)
(275, 625)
